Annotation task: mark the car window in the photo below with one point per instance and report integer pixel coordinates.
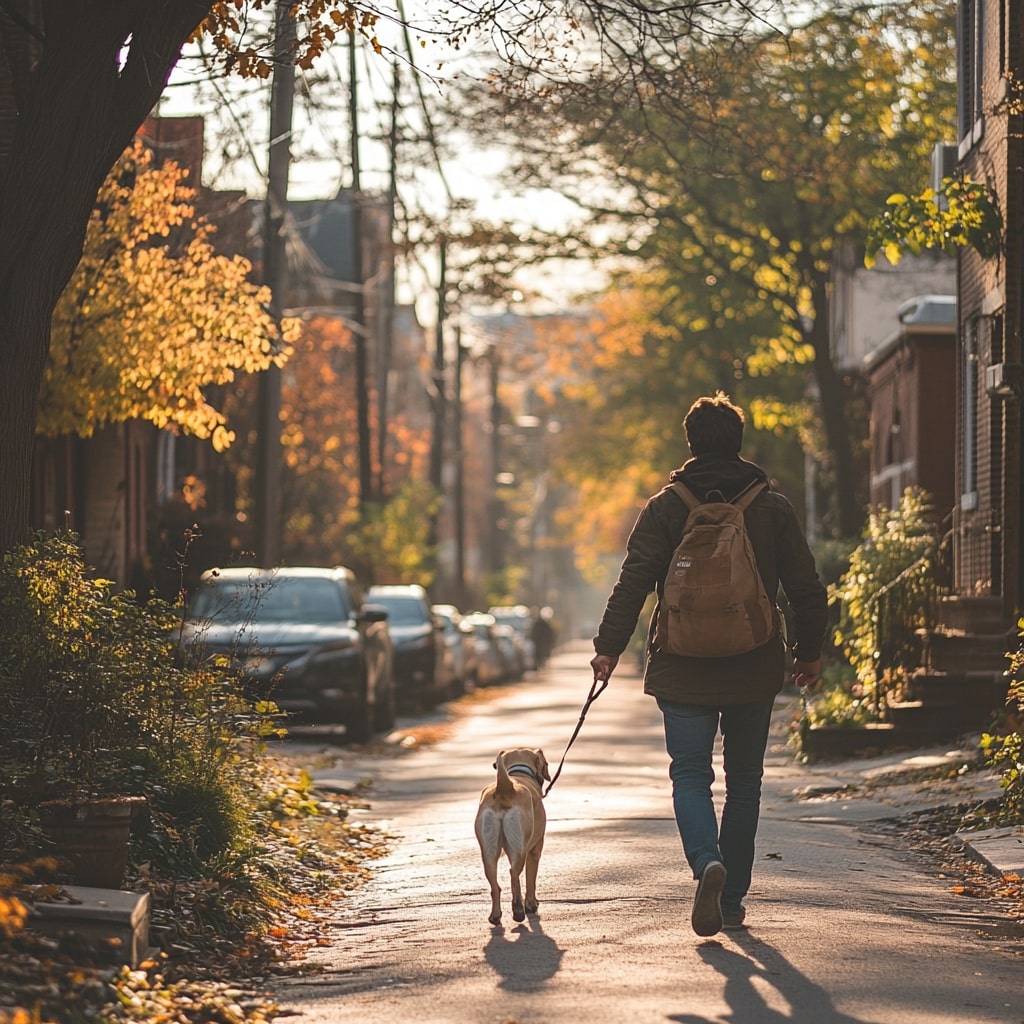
(402, 611)
(280, 599)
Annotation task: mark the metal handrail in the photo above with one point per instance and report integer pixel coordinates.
(892, 645)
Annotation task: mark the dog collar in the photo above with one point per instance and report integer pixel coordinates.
(523, 769)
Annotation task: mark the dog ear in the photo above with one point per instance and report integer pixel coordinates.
(543, 764)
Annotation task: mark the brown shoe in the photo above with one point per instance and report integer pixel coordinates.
(707, 905)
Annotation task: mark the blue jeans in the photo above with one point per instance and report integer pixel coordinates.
(690, 731)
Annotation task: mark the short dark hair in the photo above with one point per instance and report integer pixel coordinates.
(714, 426)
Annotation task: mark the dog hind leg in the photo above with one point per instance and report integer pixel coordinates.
(488, 834)
(532, 864)
(514, 836)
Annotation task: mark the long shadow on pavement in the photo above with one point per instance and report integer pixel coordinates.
(765, 969)
(527, 962)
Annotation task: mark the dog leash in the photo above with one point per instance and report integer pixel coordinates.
(595, 692)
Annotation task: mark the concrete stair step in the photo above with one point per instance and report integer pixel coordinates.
(972, 614)
(968, 652)
(910, 728)
(975, 692)
(830, 742)
(938, 721)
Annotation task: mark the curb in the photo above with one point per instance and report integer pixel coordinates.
(1001, 850)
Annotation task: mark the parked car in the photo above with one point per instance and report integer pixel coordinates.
(513, 656)
(520, 618)
(418, 639)
(487, 666)
(457, 646)
(303, 636)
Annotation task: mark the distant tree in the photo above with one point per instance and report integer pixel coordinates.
(322, 524)
(625, 378)
(737, 171)
(152, 315)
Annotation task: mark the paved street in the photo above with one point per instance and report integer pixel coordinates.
(843, 928)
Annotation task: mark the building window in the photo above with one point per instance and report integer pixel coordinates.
(970, 47)
(969, 462)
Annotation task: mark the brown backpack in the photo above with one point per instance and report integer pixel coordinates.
(714, 603)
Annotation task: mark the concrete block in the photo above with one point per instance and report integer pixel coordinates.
(115, 921)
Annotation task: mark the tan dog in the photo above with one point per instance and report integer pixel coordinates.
(511, 819)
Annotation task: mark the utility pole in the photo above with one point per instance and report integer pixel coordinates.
(386, 306)
(440, 398)
(497, 561)
(460, 481)
(267, 499)
(359, 312)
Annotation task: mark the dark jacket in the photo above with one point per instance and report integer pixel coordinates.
(783, 558)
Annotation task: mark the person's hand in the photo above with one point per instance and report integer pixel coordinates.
(807, 674)
(603, 666)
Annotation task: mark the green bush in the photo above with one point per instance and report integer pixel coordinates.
(888, 592)
(94, 700)
(1004, 751)
(842, 702)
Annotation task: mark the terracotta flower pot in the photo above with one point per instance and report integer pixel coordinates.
(92, 834)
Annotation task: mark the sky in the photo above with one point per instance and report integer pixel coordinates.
(237, 130)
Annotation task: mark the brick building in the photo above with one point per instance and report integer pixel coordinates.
(987, 516)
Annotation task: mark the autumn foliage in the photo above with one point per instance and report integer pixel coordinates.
(154, 315)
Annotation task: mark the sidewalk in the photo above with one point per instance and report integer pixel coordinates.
(907, 783)
(891, 784)
(846, 885)
(1001, 850)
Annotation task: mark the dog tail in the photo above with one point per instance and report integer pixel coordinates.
(504, 787)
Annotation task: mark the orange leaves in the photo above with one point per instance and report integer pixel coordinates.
(318, 23)
(13, 914)
(153, 315)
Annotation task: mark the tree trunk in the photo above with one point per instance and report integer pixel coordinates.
(832, 402)
(101, 67)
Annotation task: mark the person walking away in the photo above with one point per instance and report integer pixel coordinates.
(700, 694)
(543, 635)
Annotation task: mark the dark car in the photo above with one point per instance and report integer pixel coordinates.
(304, 637)
(457, 649)
(418, 638)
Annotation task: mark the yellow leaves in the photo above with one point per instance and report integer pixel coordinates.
(221, 438)
(153, 314)
(967, 215)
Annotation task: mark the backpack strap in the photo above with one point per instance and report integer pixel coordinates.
(741, 501)
(746, 496)
(684, 492)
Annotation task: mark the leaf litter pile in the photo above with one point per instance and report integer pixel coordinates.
(197, 976)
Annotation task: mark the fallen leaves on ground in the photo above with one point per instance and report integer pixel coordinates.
(198, 977)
